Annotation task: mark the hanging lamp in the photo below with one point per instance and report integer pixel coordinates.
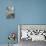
(10, 10)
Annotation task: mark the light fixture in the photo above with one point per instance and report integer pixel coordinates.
(11, 37)
(10, 10)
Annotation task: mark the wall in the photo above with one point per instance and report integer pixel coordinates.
(27, 12)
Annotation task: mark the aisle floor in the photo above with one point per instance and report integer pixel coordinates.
(30, 43)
